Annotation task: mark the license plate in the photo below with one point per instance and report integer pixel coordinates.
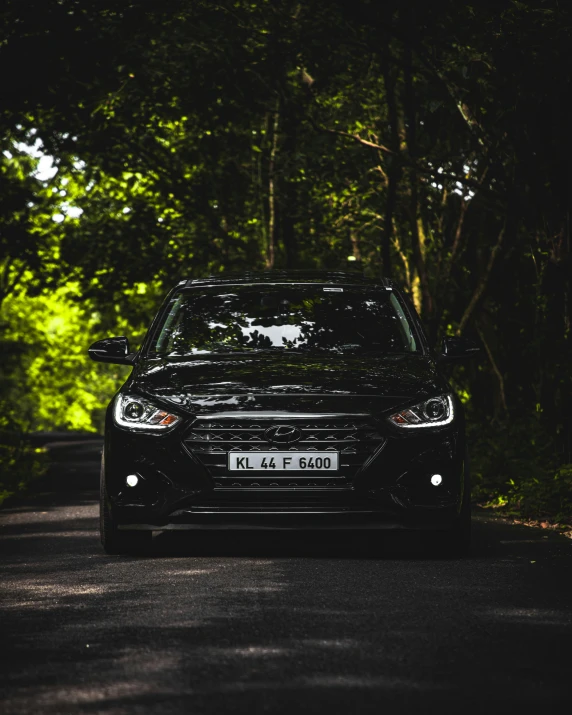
(283, 461)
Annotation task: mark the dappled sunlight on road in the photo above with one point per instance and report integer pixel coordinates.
(531, 616)
(233, 622)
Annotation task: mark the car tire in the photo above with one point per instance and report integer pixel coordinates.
(113, 540)
(456, 541)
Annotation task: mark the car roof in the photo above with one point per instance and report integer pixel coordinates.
(288, 276)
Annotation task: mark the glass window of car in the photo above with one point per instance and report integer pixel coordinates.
(279, 318)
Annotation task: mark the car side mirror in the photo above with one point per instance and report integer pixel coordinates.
(114, 350)
(457, 349)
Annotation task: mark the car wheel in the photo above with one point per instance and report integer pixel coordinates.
(113, 540)
(456, 541)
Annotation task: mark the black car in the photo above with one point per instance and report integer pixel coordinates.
(284, 400)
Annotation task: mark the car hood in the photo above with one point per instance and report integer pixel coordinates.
(297, 383)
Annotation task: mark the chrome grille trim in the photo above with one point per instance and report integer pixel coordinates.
(355, 437)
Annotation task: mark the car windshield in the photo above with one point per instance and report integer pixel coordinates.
(283, 318)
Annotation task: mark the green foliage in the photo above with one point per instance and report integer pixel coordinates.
(26, 236)
(514, 467)
(55, 385)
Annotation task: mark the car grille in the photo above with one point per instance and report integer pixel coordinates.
(356, 440)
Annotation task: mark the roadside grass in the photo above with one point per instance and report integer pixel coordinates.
(520, 473)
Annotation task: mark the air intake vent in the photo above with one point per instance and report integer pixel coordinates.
(355, 440)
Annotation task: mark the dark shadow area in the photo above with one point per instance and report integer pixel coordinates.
(49, 501)
(293, 624)
(355, 544)
(74, 465)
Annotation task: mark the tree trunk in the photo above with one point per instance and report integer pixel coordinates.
(411, 133)
(481, 284)
(393, 169)
(271, 248)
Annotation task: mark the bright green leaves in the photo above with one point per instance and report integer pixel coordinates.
(55, 384)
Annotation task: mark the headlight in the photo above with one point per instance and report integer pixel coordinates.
(435, 412)
(136, 413)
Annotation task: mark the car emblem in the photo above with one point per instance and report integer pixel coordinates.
(285, 434)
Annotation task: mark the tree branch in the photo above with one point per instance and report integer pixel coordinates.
(496, 370)
(355, 137)
(482, 284)
(401, 156)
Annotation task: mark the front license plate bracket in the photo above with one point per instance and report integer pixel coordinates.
(271, 462)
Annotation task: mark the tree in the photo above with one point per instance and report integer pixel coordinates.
(425, 140)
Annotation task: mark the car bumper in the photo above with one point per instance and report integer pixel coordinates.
(175, 492)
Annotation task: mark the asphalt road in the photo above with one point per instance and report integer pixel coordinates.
(285, 623)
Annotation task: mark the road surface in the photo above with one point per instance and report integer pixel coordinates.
(284, 623)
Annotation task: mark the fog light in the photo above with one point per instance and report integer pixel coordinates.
(132, 480)
(436, 479)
